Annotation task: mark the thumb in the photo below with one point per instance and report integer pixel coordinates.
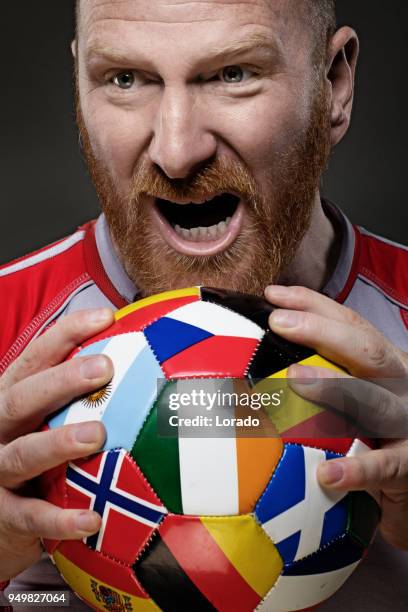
(378, 469)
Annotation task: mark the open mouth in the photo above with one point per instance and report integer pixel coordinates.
(200, 228)
(200, 222)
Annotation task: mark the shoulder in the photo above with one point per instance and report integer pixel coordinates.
(35, 287)
(384, 264)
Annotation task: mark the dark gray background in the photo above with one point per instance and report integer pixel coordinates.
(45, 190)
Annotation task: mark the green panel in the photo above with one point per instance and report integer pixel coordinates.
(364, 516)
(158, 456)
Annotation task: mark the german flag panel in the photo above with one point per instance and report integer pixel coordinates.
(229, 564)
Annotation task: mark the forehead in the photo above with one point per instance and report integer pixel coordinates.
(173, 18)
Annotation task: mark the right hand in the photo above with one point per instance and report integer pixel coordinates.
(34, 386)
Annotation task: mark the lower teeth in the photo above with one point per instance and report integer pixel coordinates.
(203, 234)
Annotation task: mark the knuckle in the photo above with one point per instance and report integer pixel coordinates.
(63, 376)
(27, 521)
(383, 411)
(14, 462)
(6, 517)
(12, 402)
(63, 439)
(352, 317)
(68, 329)
(307, 322)
(383, 403)
(375, 350)
(28, 359)
(391, 467)
(12, 517)
(76, 324)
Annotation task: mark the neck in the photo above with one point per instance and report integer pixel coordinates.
(317, 254)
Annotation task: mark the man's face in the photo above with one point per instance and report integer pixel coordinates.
(206, 130)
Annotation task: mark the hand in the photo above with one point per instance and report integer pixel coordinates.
(342, 336)
(33, 387)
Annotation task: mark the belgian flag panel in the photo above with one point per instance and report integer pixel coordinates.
(275, 354)
(364, 516)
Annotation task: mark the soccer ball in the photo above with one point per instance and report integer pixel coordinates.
(223, 521)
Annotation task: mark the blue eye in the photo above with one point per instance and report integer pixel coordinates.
(124, 80)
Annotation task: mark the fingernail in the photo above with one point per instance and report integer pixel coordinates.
(99, 315)
(87, 522)
(87, 433)
(94, 367)
(331, 472)
(285, 319)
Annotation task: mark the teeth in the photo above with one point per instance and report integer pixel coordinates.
(212, 231)
(203, 234)
(222, 227)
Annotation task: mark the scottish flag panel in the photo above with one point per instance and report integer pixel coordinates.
(297, 513)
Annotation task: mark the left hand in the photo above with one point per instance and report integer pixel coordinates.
(345, 338)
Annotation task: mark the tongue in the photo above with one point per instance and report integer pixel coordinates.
(199, 215)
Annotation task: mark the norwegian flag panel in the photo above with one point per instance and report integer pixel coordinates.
(111, 484)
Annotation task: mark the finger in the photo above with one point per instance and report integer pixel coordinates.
(25, 405)
(37, 518)
(384, 469)
(368, 408)
(307, 300)
(31, 455)
(55, 344)
(363, 351)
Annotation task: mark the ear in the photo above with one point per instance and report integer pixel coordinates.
(340, 72)
(74, 48)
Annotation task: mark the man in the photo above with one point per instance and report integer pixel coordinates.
(206, 127)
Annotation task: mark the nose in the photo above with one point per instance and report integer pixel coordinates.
(181, 141)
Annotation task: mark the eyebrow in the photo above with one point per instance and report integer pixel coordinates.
(255, 42)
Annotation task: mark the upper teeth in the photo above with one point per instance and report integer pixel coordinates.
(201, 234)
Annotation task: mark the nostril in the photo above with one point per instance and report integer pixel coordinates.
(188, 177)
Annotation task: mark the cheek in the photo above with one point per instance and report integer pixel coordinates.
(118, 136)
(264, 129)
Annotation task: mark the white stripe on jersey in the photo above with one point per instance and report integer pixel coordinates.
(365, 232)
(46, 254)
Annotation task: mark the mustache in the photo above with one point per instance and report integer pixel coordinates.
(218, 176)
